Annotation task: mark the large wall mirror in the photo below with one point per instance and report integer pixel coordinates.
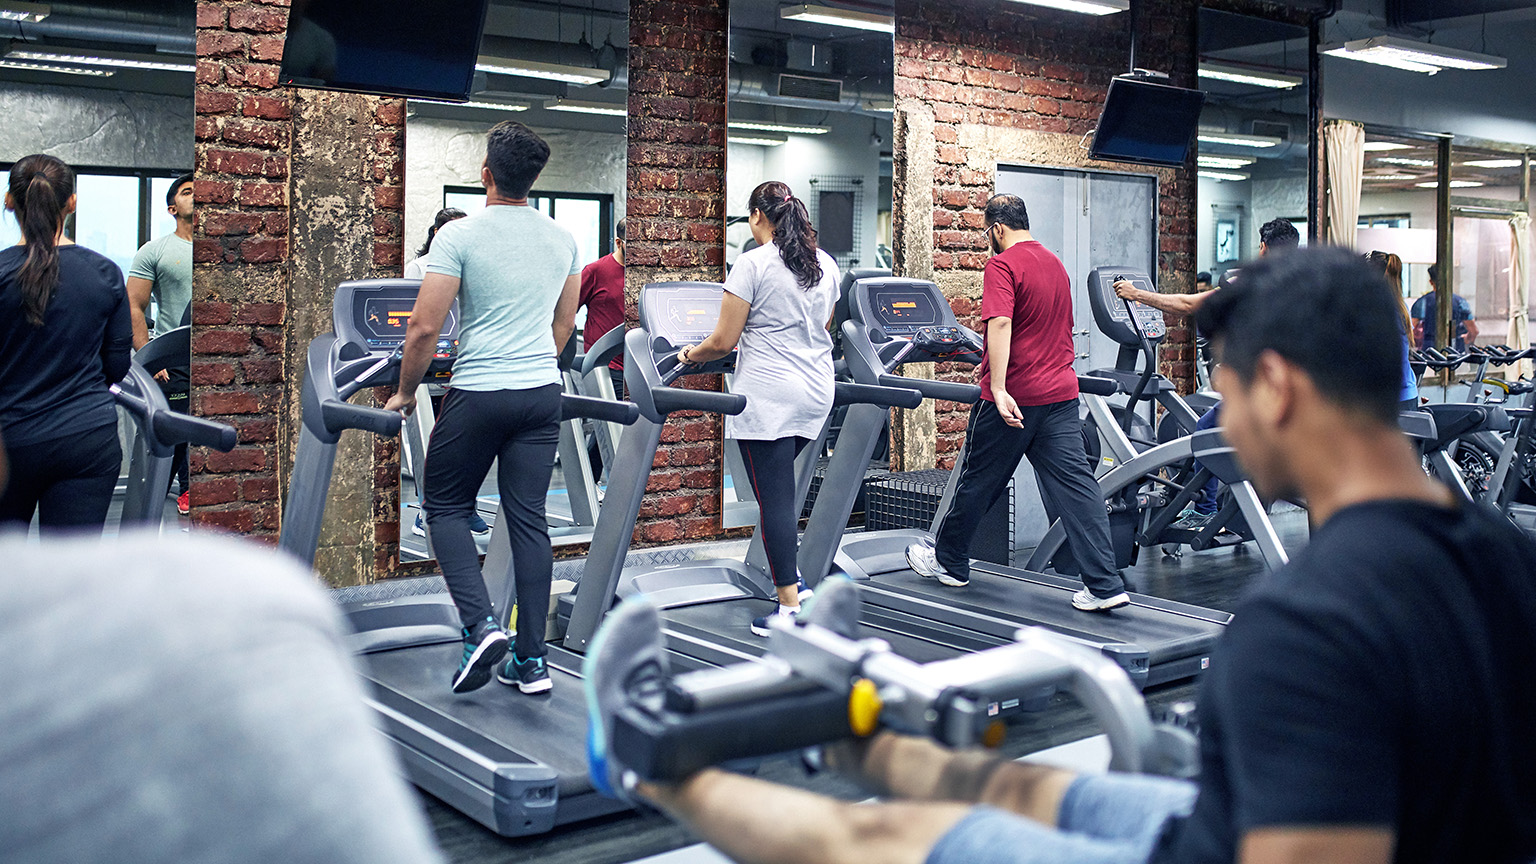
(561, 69)
(810, 102)
(1253, 135)
(106, 86)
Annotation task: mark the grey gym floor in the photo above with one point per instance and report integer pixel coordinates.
(1216, 578)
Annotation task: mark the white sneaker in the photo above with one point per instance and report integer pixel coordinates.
(1085, 601)
(925, 562)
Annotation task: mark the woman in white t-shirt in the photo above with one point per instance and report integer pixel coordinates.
(777, 302)
(417, 268)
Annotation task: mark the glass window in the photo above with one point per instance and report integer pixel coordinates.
(107, 216)
(466, 198)
(10, 232)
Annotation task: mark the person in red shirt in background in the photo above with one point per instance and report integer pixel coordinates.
(602, 295)
(1028, 411)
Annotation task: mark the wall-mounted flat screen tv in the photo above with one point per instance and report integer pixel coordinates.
(422, 48)
(1146, 122)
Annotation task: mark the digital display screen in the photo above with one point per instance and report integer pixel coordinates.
(425, 48)
(905, 309)
(381, 315)
(1146, 123)
(687, 319)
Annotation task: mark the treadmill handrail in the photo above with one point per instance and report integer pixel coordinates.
(163, 428)
(607, 347)
(328, 381)
(591, 408)
(868, 368)
(846, 393)
(656, 399)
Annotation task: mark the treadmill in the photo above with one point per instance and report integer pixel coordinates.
(895, 321)
(514, 763)
(706, 605)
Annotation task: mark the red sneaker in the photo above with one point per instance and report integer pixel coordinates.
(184, 503)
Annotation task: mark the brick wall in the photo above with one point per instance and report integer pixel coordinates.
(240, 248)
(676, 211)
(385, 179)
(979, 82)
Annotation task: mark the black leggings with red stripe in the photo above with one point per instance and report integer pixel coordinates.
(771, 471)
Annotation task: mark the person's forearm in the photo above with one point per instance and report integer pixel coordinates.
(918, 769)
(140, 327)
(999, 348)
(562, 336)
(710, 349)
(415, 357)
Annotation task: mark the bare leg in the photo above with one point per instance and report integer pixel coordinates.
(789, 596)
(747, 819)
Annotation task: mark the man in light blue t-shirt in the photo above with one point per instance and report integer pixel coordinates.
(516, 276)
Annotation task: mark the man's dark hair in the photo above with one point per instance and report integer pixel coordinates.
(618, 230)
(515, 155)
(1278, 235)
(1203, 276)
(1434, 273)
(1326, 310)
(170, 194)
(1007, 210)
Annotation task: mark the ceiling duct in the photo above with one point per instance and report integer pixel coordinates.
(816, 89)
(766, 85)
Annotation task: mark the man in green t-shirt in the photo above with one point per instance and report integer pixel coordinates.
(162, 271)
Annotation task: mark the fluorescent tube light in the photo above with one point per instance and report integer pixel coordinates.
(1259, 141)
(535, 69)
(476, 103)
(1224, 175)
(1412, 56)
(1225, 161)
(1384, 146)
(1413, 163)
(1087, 7)
(607, 109)
(759, 140)
(839, 17)
(98, 58)
(1391, 176)
(1455, 184)
(766, 126)
(26, 13)
(62, 70)
(1241, 75)
(1493, 163)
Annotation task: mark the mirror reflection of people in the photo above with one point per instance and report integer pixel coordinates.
(1028, 410)
(1369, 703)
(1426, 317)
(1203, 282)
(1391, 269)
(65, 338)
(416, 268)
(514, 272)
(777, 302)
(602, 295)
(162, 272)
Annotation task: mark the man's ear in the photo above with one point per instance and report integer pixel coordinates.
(1273, 388)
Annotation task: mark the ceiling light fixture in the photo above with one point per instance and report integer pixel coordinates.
(1242, 75)
(1493, 163)
(1258, 141)
(765, 126)
(1455, 184)
(62, 70)
(98, 58)
(26, 13)
(606, 109)
(759, 140)
(1087, 7)
(1224, 175)
(1384, 146)
(1391, 176)
(1412, 163)
(1225, 161)
(839, 17)
(535, 69)
(476, 103)
(1412, 56)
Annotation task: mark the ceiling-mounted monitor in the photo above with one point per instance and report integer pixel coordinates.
(1146, 122)
(419, 48)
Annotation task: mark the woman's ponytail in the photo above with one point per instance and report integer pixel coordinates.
(40, 189)
(792, 231)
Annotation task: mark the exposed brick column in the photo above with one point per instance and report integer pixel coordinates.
(978, 83)
(240, 246)
(676, 211)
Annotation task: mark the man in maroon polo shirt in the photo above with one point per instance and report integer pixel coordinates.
(1030, 410)
(602, 293)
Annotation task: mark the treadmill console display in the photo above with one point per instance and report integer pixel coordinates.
(1118, 319)
(900, 307)
(374, 314)
(683, 313)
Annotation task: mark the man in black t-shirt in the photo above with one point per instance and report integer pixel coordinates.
(1370, 702)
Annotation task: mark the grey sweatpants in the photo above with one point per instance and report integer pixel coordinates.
(186, 701)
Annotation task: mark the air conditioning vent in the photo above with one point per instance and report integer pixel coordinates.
(820, 89)
(1271, 129)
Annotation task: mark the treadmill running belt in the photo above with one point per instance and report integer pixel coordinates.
(728, 623)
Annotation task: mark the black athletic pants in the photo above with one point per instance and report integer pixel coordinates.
(771, 471)
(518, 429)
(67, 482)
(1052, 440)
(178, 397)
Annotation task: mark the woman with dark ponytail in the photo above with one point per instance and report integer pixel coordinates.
(65, 337)
(777, 302)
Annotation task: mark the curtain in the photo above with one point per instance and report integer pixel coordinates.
(1344, 147)
(1519, 286)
